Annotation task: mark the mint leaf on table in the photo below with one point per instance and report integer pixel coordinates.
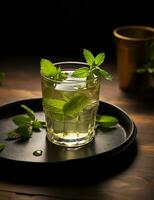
(106, 121)
(2, 146)
(50, 71)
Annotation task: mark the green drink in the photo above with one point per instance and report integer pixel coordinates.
(70, 92)
(70, 107)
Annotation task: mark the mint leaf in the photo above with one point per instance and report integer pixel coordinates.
(47, 68)
(59, 76)
(42, 123)
(2, 146)
(102, 73)
(99, 59)
(75, 105)
(106, 121)
(36, 125)
(22, 120)
(89, 57)
(141, 70)
(55, 105)
(81, 72)
(13, 135)
(150, 70)
(62, 76)
(94, 67)
(65, 109)
(30, 112)
(26, 124)
(24, 131)
(66, 96)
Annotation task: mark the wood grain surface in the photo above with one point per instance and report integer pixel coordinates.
(130, 178)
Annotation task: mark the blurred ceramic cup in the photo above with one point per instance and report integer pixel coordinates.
(132, 49)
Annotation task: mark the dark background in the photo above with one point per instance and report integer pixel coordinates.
(63, 27)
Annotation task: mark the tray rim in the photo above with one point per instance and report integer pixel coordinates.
(122, 146)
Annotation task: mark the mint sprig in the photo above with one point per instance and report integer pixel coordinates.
(94, 67)
(49, 70)
(26, 125)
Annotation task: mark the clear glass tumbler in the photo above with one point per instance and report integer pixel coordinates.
(70, 107)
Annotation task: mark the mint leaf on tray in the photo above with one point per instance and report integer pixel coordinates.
(26, 125)
(22, 120)
(106, 121)
(2, 146)
(29, 111)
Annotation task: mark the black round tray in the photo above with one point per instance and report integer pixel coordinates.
(110, 151)
(106, 143)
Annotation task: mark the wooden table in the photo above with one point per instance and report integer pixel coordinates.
(132, 179)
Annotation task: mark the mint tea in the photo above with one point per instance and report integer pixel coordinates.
(70, 106)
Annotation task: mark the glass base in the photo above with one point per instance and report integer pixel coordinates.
(76, 140)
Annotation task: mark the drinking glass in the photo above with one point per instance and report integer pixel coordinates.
(70, 107)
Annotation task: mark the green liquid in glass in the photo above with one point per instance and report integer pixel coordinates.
(67, 128)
